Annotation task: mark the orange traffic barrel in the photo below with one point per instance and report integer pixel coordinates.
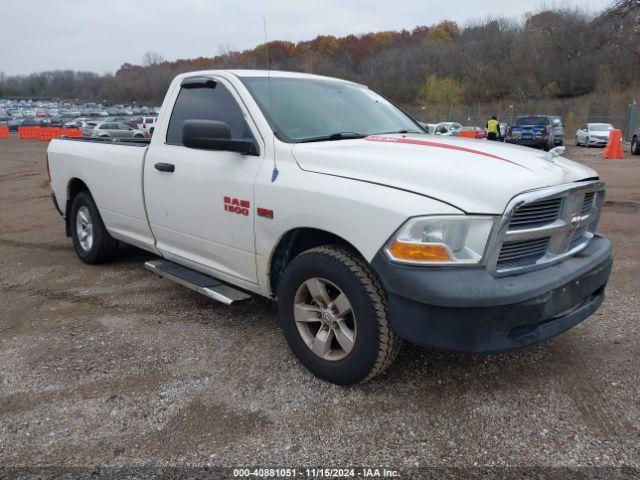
(467, 134)
(613, 150)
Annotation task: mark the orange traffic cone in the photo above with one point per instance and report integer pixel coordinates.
(614, 145)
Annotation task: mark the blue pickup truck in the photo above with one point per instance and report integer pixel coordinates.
(539, 131)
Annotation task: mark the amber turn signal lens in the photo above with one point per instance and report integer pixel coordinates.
(418, 252)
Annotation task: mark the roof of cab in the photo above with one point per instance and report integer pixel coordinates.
(263, 73)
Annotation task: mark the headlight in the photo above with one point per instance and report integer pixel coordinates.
(441, 240)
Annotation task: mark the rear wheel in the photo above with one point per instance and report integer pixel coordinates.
(334, 315)
(635, 145)
(91, 240)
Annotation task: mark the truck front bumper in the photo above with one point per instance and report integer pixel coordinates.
(469, 310)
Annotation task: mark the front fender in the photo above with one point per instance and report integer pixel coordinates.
(363, 214)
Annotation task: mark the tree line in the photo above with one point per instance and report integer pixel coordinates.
(552, 53)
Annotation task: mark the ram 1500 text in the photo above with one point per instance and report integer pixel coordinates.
(326, 196)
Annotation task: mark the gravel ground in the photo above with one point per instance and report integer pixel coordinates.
(112, 365)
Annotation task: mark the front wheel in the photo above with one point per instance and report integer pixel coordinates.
(91, 240)
(635, 145)
(334, 315)
(577, 142)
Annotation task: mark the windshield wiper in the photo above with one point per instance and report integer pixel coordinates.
(333, 136)
(399, 131)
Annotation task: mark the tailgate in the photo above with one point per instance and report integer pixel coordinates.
(528, 131)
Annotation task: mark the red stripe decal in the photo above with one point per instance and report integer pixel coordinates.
(427, 143)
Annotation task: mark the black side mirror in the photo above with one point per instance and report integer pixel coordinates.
(214, 135)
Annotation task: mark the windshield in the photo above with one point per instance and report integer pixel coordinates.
(600, 126)
(532, 120)
(305, 109)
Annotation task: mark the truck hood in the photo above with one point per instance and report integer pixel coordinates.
(475, 176)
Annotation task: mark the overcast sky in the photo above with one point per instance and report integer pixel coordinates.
(101, 35)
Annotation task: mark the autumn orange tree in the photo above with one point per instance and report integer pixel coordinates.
(552, 53)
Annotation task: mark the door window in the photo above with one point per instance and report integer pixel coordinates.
(207, 103)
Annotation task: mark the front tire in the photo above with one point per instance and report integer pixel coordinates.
(334, 314)
(91, 240)
(635, 145)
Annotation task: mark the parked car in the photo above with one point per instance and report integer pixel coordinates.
(132, 122)
(146, 124)
(88, 127)
(428, 127)
(558, 130)
(477, 131)
(446, 128)
(51, 122)
(364, 236)
(593, 134)
(116, 130)
(14, 124)
(502, 127)
(635, 142)
(30, 122)
(533, 131)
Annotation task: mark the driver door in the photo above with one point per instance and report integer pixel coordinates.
(202, 213)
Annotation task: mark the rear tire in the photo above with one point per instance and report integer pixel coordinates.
(91, 240)
(320, 282)
(635, 145)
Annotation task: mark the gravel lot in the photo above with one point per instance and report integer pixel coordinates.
(112, 365)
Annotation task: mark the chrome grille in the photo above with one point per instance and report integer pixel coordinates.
(587, 203)
(522, 252)
(544, 226)
(537, 213)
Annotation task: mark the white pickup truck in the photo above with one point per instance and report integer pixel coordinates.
(326, 196)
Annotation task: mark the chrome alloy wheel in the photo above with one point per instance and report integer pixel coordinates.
(84, 228)
(325, 319)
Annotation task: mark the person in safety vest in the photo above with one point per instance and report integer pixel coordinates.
(493, 128)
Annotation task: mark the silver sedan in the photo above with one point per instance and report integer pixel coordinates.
(116, 130)
(593, 134)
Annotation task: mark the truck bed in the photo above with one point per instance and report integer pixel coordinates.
(112, 170)
(135, 142)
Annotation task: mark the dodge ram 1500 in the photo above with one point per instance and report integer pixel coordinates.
(327, 197)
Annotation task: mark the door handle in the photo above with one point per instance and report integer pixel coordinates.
(165, 167)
